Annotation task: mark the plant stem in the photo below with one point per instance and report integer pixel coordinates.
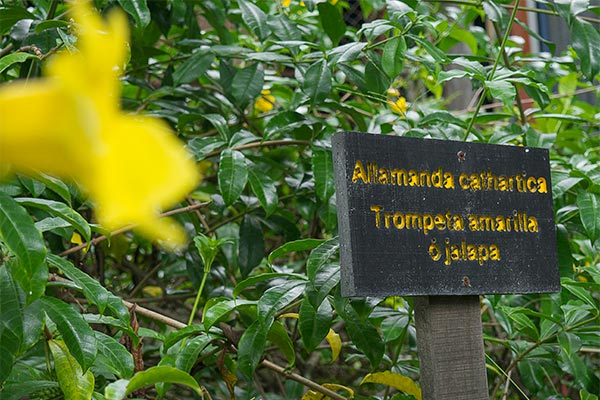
(198, 296)
(511, 21)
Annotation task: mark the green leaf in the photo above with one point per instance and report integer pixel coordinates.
(11, 323)
(283, 28)
(361, 331)
(187, 356)
(93, 291)
(120, 389)
(394, 327)
(325, 280)
(50, 24)
(232, 175)
(332, 21)
(317, 82)
(247, 84)
(139, 10)
(296, 245)
(20, 235)
(193, 68)
(114, 356)
(58, 209)
(585, 395)
(586, 43)
(264, 188)
(314, 323)
(589, 213)
(75, 331)
(320, 256)
(56, 185)
(279, 337)
(252, 345)
(10, 15)
(14, 58)
(375, 79)
(253, 280)
(255, 18)
(75, 384)
(579, 292)
(443, 117)
(278, 297)
(503, 91)
(251, 245)
(322, 165)
(217, 309)
(345, 53)
(179, 334)
(392, 59)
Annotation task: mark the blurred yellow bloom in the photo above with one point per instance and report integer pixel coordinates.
(70, 124)
(399, 106)
(265, 102)
(285, 3)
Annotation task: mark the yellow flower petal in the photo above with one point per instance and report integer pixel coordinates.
(70, 124)
(286, 3)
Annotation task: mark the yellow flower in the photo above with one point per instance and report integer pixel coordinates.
(399, 106)
(70, 124)
(265, 102)
(285, 3)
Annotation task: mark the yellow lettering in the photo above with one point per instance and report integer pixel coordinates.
(463, 181)
(359, 172)
(532, 224)
(542, 185)
(531, 184)
(398, 220)
(494, 253)
(376, 210)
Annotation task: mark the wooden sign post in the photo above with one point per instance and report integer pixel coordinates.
(444, 221)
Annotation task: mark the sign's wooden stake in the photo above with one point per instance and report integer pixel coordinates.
(450, 347)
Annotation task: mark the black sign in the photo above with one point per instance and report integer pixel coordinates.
(432, 217)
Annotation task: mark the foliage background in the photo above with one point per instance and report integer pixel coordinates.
(255, 89)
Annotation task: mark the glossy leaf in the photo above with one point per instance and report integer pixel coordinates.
(265, 190)
(251, 245)
(18, 232)
(138, 9)
(255, 279)
(92, 290)
(589, 213)
(320, 256)
(11, 323)
(279, 337)
(14, 58)
(314, 324)
(247, 84)
(255, 18)
(392, 59)
(232, 175)
(294, 246)
(317, 82)
(503, 91)
(114, 355)
(74, 383)
(332, 21)
(76, 333)
(58, 209)
(278, 297)
(193, 68)
(322, 164)
(586, 43)
(251, 346)
(120, 389)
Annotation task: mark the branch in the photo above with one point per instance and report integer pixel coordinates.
(261, 144)
(130, 227)
(180, 325)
